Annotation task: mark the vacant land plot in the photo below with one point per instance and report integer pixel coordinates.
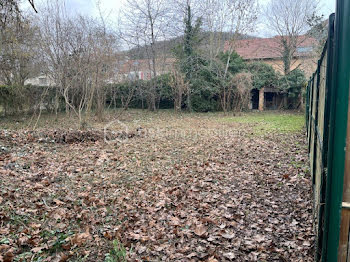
(164, 187)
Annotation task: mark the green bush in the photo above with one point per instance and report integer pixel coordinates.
(292, 84)
(26, 99)
(263, 75)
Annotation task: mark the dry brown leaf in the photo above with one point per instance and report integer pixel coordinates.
(66, 246)
(4, 231)
(59, 213)
(3, 248)
(135, 236)
(23, 240)
(175, 221)
(35, 226)
(141, 249)
(61, 226)
(58, 202)
(159, 248)
(191, 255)
(81, 238)
(108, 235)
(62, 257)
(34, 240)
(200, 230)
(36, 249)
(213, 184)
(160, 204)
(8, 257)
(259, 238)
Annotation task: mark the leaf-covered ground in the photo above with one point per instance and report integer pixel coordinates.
(191, 187)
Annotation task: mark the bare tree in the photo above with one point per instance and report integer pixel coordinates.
(179, 87)
(18, 40)
(80, 55)
(144, 22)
(290, 19)
(18, 53)
(241, 16)
(227, 19)
(31, 2)
(243, 85)
(10, 12)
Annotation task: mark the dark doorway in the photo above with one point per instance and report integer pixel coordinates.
(270, 100)
(255, 98)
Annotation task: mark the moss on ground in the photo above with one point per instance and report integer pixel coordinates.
(267, 122)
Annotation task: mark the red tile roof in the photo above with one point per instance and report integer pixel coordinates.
(269, 48)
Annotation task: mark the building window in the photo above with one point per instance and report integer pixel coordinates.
(304, 49)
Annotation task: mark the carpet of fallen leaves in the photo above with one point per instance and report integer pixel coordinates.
(174, 188)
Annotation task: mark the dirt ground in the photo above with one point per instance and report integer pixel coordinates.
(157, 187)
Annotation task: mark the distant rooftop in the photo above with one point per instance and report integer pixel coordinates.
(270, 48)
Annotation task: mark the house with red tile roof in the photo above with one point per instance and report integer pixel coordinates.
(269, 50)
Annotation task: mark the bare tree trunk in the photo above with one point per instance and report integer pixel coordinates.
(153, 108)
(189, 105)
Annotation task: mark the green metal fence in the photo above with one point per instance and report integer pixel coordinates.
(317, 117)
(327, 121)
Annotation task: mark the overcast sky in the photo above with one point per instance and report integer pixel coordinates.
(110, 8)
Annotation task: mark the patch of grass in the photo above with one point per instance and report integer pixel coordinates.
(117, 253)
(59, 239)
(266, 122)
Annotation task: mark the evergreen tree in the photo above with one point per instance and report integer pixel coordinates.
(292, 84)
(187, 54)
(236, 63)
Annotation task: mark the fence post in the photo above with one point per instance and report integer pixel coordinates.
(307, 108)
(310, 109)
(337, 132)
(315, 122)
